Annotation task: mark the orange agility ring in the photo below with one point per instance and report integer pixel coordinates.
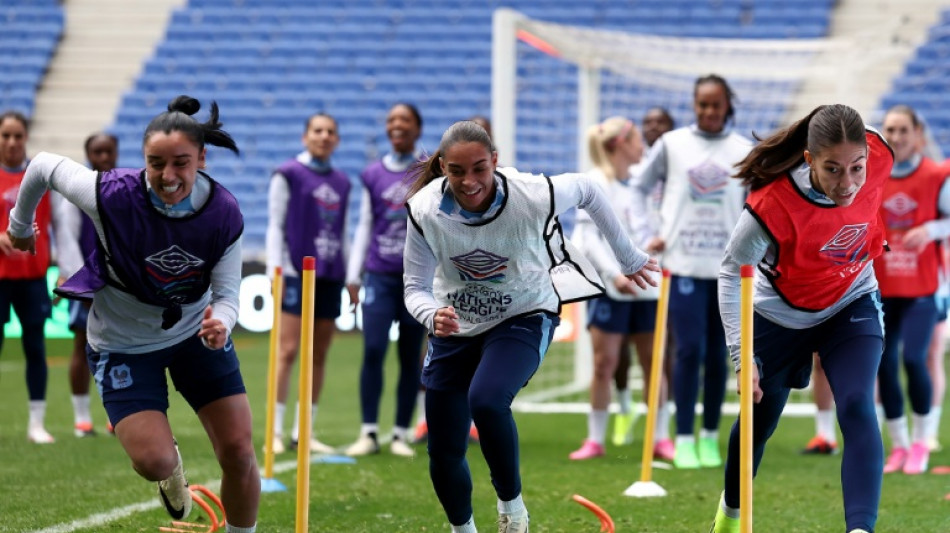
(606, 523)
(214, 524)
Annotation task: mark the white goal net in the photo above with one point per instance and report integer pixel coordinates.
(550, 81)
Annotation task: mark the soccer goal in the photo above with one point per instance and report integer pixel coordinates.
(551, 81)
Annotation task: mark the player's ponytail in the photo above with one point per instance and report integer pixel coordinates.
(603, 138)
(179, 118)
(775, 156)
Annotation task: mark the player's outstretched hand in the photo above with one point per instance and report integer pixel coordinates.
(213, 332)
(642, 277)
(445, 322)
(624, 285)
(9, 243)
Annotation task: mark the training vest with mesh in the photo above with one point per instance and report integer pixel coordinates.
(18, 264)
(701, 202)
(819, 245)
(909, 202)
(500, 267)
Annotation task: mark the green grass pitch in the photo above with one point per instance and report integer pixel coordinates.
(85, 481)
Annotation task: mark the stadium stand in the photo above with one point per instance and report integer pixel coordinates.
(925, 84)
(29, 33)
(270, 67)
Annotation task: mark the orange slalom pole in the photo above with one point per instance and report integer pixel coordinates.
(277, 290)
(656, 370)
(306, 394)
(746, 362)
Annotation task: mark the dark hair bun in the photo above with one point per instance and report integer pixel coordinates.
(184, 104)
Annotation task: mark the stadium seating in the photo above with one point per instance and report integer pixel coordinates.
(270, 65)
(29, 33)
(925, 83)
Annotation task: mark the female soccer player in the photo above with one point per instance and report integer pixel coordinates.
(77, 229)
(377, 251)
(699, 208)
(23, 276)
(909, 276)
(656, 121)
(812, 228)
(164, 289)
(615, 145)
(481, 254)
(307, 205)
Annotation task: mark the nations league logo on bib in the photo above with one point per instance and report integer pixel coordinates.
(707, 182)
(479, 265)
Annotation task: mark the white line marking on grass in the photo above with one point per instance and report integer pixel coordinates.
(728, 408)
(100, 519)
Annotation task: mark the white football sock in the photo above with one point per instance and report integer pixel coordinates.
(400, 433)
(37, 414)
(825, 424)
(295, 431)
(421, 406)
(280, 409)
(514, 506)
(936, 412)
(662, 430)
(467, 527)
(81, 413)
(624, 400)
(597, 425)
(897, 429)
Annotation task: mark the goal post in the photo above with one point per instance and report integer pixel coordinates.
(551, 81)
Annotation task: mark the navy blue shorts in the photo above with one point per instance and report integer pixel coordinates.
(625, 317)
(78, 315)
(29, 298)
(451, 362)
(131, 383)
(785, 355)
(327, 297)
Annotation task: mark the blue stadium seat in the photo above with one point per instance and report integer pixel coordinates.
(29, 33)
(925, 82)
(271, 65)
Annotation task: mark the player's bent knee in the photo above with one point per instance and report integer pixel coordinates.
(155, 466)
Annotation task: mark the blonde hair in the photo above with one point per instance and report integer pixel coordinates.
(603, 138)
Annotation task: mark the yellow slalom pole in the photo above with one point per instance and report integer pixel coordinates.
(268, 483)
(306, 395)
(745, 401)
(646, 487)
(277, 294)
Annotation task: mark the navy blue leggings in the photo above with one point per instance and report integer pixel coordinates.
(850, 345)
(907, 321)
(34, 348)
(477, 378)
(383, 304)
(29, 299)
(699, 341)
